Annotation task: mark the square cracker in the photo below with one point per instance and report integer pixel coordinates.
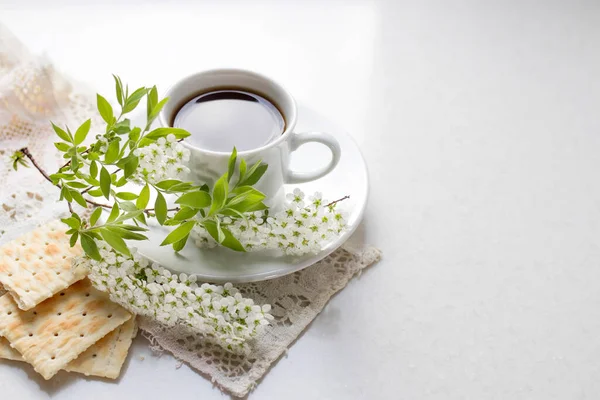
(104, 358)
(37, 265)
(58, 330)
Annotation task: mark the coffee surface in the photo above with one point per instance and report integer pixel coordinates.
(221, 119)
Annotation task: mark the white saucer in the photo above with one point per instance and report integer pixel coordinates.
(221, 265)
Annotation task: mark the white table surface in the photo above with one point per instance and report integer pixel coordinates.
(480, 123)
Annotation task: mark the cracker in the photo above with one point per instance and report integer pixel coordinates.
(104, 358)
(37, 265)
(7, 352)
(61, 328)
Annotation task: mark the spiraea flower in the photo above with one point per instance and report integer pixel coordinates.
(219, 313)
(302, 227)
(164, 159)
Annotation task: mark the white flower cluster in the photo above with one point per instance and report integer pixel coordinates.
(299, 229)
(220, 313)
(164, 159)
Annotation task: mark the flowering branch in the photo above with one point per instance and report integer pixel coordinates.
(156, 160)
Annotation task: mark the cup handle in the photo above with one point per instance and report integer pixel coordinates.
(298, 139)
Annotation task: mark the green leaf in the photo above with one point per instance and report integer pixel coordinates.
(143, 198)
(115, 241)
(185, 213)
(62, 146)
(94, 169)
(152, 100)
(89, 247)
(231, 165)
(73, 239)
(141, 218)
(219, 195)
(134, 228)
(166, 184)
(105, 182)
(177, 246)
(76, 185)
(132, 101)
(242, 170)
(122, 181)
(95, 215)
(128, 206)
(92, 181)
(127, 196)
(122, 127)
(157, 109)
(95, 192)
(82, 132)
(160, 208)
(211, 228)
(72, 222)
(181, 187)
(195, 200)
(64, 192)
(105, 109)
(255, 173)
(92, 155)
(62, 134)
(231, 241)
(78, 198)
(129, 164)
(163, 132)
(205, 188)
(220, 233)
(119, 89)
(112, 153)
(179, 233)
(125, 233)
(128, 215)
(74, 163)
(134, 135)
(114, 213)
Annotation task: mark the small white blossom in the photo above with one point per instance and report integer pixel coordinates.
(164, 159)
(296, 230)
(220, 313)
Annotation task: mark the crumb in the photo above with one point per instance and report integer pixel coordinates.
(142, 358)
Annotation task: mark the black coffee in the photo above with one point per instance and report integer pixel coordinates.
(221, 119)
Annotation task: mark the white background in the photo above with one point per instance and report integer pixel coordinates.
(479, 121)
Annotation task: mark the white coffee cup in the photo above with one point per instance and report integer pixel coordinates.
(207, 166)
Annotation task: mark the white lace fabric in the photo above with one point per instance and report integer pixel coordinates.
(32, 91)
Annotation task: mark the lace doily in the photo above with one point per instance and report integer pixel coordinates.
(32, 91)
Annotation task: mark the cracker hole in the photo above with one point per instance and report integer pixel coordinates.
(26, 290)
(9, 274)
(40, 257)
(62, 294)
(87, 295)
(94, 355)
(59, 313)
(47, 243)
(84, 314)
(31, 334)
(57, 273)
(81, 335)
(55, 334)
(34, 273)
(22, 244)
(9, 313)
(17, 259)
(53, 357)
(64, 257)
(35, 313)
(109, 316)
